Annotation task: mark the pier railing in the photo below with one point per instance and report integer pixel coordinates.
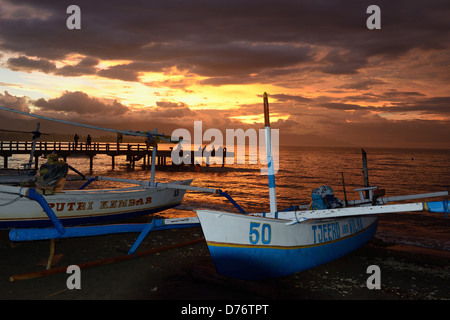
(133, 151)
(26, 146)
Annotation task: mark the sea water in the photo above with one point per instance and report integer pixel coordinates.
(302, 169)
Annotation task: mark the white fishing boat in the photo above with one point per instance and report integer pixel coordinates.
(76, 207)
(252, 247)
(32, 213)
(33, 207)
(275, 244)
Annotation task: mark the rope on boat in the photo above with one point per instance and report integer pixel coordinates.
(10, 202)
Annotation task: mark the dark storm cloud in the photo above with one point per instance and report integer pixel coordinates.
(435, 105)
(245, 58)
(224, 40)
(406, 133)
(284, 43)
(120, 72)
(343, 106)
(80, 107)
(336, 62)
(18, 103)
(290, 97)
(85, 67)
(392, 94)
(24, 63)
(170, 104)
(362, 85)
(80, 103)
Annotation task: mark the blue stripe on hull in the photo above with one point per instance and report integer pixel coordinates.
(82, 220)
(263, 263)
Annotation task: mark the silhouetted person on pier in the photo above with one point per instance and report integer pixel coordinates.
(76, 137)
(224, 155)
(88, 142)
(220, 152)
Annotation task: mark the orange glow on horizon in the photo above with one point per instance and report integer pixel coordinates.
(259, 118)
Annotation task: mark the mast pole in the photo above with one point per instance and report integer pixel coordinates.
(153, 165)
(33, 146)
(365, 172)
(270, 165)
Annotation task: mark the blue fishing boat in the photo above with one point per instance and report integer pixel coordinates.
(275, 244)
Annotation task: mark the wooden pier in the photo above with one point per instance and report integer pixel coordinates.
(133, 151)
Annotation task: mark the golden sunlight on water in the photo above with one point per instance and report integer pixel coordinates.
(399, 172)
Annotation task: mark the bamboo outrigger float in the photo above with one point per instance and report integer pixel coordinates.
(275, 244)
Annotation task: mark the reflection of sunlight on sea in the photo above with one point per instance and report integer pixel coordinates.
(400, 172)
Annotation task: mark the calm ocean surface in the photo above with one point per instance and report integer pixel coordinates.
(302, 169)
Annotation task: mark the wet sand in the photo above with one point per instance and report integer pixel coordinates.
(187, 272)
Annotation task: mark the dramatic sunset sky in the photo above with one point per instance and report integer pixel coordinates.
(144, 64)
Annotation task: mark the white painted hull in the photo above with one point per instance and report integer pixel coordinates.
(252, 247)
(75, 207)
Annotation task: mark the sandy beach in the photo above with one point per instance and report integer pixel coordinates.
(187, 272)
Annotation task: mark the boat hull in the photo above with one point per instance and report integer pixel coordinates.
(77, 207)
(250, 247)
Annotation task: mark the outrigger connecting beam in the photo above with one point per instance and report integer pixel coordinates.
(385, 200)
(412, 197)
(33, 234)
(300, 216)
(59, 231)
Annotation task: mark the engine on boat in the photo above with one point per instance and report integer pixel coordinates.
(323, 198)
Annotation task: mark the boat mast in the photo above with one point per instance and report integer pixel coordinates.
(365, 172)
(153, 166)
(270, 165)
(36, 135)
